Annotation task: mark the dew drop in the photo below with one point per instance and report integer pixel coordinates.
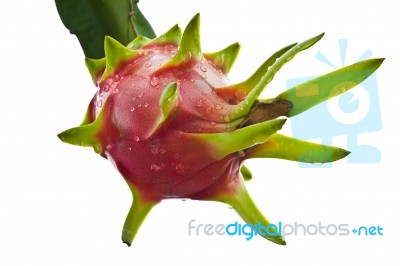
(200, 103)
(240, 94)
(163, 165)
(148, 64)
(161, 151)
(139, 105)
(203, 68)
(106, 88)
(192, 80)
(146, 105)
(213, 124)
(154, 81)
(140, 95)
(180, 169)
(132, 109)
(154, 167)
(208, 110)
(218, 107)
(136, 138)
(99, 103)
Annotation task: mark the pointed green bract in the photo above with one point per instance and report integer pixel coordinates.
(168, 100)
(96, 67)
(173, 35)
(116, 53)
(190, 44)
(223, 144)
(288, 148)
(225, 58)
(84, 135)
(138, 42)
(244, 107)
(247, 85)
(242, 203)
(246, 173)
(137, 213)
(315, 91)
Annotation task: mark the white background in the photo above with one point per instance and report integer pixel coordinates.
(64, 205)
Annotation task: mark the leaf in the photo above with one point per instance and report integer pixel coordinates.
(92, 20)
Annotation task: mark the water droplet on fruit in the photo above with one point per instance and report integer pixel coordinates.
(240, 94)
(154, 167)
(208, 110)
(180, 169)
(136, 138)
(148, 64)
(213, 124)
(163, 165)
(192, 80)
(154, 150)
(200, 103)
(140, 95)
(139, 105)
(99, 103)
(154, 81)
(146, 105)
(203, 68)
(130, 148)
(132, 109)
(218, 107)
(164, 83)
(106, 88)
(161, 151)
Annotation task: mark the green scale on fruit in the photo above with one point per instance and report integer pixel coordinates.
(166, 116)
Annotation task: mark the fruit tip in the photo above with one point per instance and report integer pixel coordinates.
(127, 243)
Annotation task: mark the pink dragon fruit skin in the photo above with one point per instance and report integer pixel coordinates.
(166, 117)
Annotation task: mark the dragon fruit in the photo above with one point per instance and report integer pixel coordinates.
(166, 116)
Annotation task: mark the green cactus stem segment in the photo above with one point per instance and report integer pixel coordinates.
(244, 107)
(190, 46)
(242, 203)
(246, 86)
(139, 22)
(223, 144)
(246, 173)
(96, 67)
(116, 53)
(288, 148)
(139, 210)
(320, 89)
(225, 58)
